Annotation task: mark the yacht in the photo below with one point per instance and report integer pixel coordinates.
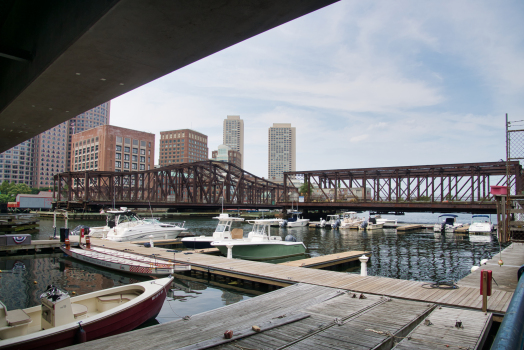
(260, 245)
(481, 224)
(295, 220)
(350, 219)
(333, 221)
(447, 223)
(127, 226)
(222, 231)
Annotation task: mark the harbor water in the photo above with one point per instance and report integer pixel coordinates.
(419, 255)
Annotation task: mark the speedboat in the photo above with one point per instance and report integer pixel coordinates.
(333, 221)
(295, 220)
(260, 245)
(61, 320)
(447, 223)
(350, 219)
(480, 224)
(319, 224)
(370, 225)
(130, 227)
(222, 231)
(385, 221)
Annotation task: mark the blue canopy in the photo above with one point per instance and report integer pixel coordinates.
(480, 216)
(452, 215)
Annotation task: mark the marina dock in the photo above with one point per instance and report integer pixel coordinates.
(323, 261)
(406, 228)
(282, 276)
(34, 246)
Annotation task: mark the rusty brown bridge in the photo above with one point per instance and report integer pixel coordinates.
(209, 184)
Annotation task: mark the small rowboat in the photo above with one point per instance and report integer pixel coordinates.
(63, 321)
(125, 262)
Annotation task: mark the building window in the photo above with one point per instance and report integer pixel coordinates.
(118, 156)
(119, 148)
(126, 149)
(142, 159)
(126, 156)
(143, 152)
(135, 158)
(142, 167)
(118, 164)
(134, 166)
(135, 150)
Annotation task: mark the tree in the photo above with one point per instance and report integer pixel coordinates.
(304, 188)
(9, 191)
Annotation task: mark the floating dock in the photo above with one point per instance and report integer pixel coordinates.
(406, 228)
(35, 246)
(18, 223)
(319, 262)
(282, 276)
(306, 316)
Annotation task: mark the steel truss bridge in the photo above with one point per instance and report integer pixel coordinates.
(208, 184)
(442, 188)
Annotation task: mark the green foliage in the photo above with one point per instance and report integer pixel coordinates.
(304, 188)
(424, 198)
(9, 191)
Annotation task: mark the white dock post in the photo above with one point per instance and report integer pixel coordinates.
(151, 241)
(229, 251)
(364, 265)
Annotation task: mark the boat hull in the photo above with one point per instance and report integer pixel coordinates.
(197, 243)
(137, 234)
(261, 252)
(124, 321)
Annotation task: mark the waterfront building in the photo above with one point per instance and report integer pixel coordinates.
(112, 148)
(226, 154)
(182, 146)
(233, 135)
(281, 150)
(17, 163)
(50, 154)
(100, 115)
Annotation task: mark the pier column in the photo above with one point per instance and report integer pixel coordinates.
(229, 251)
(364, 265)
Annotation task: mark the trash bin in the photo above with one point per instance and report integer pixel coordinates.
(64, 233)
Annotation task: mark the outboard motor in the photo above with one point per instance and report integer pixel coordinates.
(322, 222)
(364, 224)
(443, 227)
(336, 224)
(283, 223)
(290, 238)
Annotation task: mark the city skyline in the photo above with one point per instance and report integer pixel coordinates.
(366, 84)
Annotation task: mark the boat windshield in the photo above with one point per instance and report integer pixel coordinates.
(480, 219)
(221, 227)
(151, 221)
(259, 229)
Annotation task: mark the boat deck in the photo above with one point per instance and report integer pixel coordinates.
(467, 296)
(306, 316)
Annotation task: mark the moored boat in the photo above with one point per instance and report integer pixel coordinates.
(260, 245)
(61, 320)
(447, 223)
(480, 224)
(295, 220)
(350, 219)
(222, 231)
(125, 262)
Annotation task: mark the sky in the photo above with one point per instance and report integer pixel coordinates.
(365, 83)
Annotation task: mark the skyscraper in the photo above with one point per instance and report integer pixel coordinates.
(282, 151)
(16, 164)
(182, 146)
(233, 135)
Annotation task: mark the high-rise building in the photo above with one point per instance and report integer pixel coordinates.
(182, 146)
(112, 148)
(226, 154)
(50, 154)
(91, 119)
(282, 151)
(17, 163)
(233, 135)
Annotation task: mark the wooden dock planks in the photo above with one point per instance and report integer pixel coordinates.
(283, 275)
(319, 262)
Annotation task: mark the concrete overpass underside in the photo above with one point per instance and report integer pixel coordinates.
(61, 58)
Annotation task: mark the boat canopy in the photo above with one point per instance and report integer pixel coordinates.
(451, 215)
(480, 216)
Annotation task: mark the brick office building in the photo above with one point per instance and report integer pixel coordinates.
(182, 146)
(112, 148)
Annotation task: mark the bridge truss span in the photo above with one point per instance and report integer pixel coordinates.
(447, 187)
(197, 184)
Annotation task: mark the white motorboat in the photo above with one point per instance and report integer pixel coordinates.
(481, 224)
(295, 220)
(130, 227)
(222, 231)
(319, 224)
(385, 221)
(350, 219)
(447, 223)
(370, 225)
(61, 320)
(333, 221)
(260, 245)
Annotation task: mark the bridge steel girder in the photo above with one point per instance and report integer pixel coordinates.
(197, 184)
(442, 187)
(61, 58)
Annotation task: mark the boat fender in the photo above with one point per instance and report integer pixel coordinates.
(290, 238)
(147, 245)
(228, 334)
(81, 335)
(256, 329)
